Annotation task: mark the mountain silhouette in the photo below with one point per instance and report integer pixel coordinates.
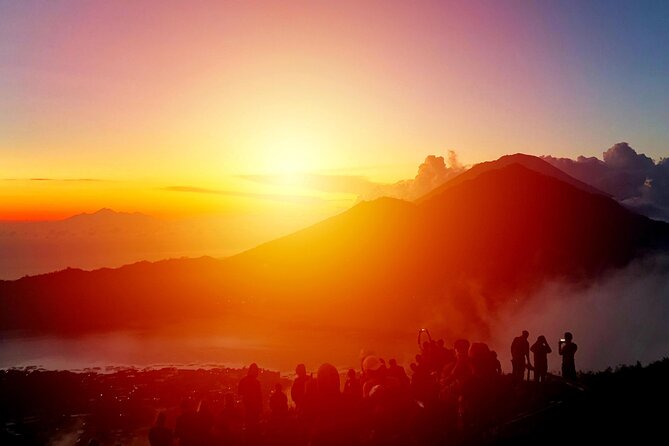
(476, 244)
(528, 161)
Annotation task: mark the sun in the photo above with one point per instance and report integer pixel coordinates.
(289, 156)
(292, 150)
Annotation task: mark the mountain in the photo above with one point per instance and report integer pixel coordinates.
(102, 238)
(106, 217)
(528, 161)
(454, 258)
(108, 238)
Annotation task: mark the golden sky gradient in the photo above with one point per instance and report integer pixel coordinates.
(166, 104)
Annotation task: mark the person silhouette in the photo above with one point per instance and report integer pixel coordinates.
(352, 386)
(159, 435)
(299, 386)
(520, 356)
(278, 402)
(397, 372)
(540, 350)
(251, 396)
(567, 349)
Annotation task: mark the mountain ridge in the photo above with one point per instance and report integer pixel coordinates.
(459, 256)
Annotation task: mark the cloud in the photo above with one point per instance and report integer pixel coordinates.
(619, 318)
(632, 178)
(305, 199)
(432, 173)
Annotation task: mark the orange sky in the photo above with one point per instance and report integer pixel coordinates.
(165, 104)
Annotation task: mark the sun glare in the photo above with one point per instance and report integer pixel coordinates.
(290, 151)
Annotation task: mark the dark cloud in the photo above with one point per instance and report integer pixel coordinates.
(432, 173)
(632, 178)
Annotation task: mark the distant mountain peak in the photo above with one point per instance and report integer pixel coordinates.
(530, 162)
(106, 213)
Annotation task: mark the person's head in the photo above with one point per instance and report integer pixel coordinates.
(541, 339)
(568, 336)
(392, 362)
(301, 370)
(419, 358)
(253, 370)
(350, 374)
(327, 380)
(526, 334)
(493, 353)
(161, 419)
(371, 365)
(278, 388)
(461, 347)
(440, 343)
(479, 350)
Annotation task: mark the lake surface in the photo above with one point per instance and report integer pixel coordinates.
(281, 351)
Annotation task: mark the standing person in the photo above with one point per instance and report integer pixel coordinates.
(251, 396)
(159, 435)
(456, 388)
(567, 349)
(278, 402)
(352, 387)
(540, 350)
(520, 356)
(299, 386)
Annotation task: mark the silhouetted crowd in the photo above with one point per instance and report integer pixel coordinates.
(452, 395)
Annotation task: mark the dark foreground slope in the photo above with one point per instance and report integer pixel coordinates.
(624, 406)
(453, 259)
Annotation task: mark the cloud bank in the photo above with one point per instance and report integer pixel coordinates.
(632, 178)
(619, 318)
(432, 173)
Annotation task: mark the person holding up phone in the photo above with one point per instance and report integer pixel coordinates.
(567, 349)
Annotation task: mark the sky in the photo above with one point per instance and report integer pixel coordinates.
(174, 108)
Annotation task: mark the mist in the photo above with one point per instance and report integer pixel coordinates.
(620, 318)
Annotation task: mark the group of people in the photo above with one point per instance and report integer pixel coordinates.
(520, 357)
(449, 393)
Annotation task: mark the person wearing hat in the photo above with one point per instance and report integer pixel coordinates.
(374, 372)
